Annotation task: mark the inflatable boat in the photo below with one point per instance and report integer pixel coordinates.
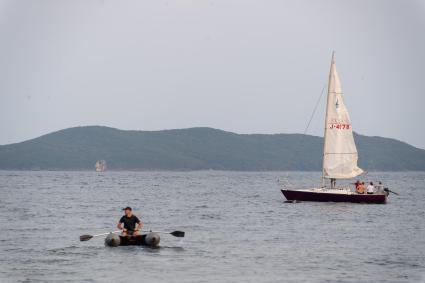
(151, 240)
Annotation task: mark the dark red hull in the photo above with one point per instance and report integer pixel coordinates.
(325, 197)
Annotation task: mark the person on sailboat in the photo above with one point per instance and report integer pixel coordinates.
(370, 188)
(357, 184)
(360, 188)
(129, 223)
(380, 188)
(333, 183)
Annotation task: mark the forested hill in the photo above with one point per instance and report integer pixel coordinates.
(195, 149)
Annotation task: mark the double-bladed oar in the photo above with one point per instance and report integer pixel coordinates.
(88, 237)
(179, 234)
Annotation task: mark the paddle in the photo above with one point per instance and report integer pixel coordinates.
(88, 237)
(179, 234)
(388, 190)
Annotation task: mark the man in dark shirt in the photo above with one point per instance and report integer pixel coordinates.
(128, 223)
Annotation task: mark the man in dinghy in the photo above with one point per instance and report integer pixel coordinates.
(129, 223)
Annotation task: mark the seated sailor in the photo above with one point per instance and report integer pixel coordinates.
(370, 188)
(360, 188)
(380, 188)
(357, 184)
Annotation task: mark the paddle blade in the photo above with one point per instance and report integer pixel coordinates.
(85, 237)
(179, 234)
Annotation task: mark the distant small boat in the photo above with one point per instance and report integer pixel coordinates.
(339, 154)
(100, 166)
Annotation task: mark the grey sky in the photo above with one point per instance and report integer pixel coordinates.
(242, 66)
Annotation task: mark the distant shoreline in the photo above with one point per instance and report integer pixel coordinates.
(196, 149)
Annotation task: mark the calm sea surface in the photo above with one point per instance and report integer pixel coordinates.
(238, 229)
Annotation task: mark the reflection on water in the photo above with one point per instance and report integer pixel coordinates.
(238, 229)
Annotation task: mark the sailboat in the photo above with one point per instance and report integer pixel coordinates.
(339, 154)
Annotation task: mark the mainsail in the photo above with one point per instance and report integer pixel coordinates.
(340, 152)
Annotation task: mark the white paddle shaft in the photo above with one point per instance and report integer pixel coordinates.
(106, 233)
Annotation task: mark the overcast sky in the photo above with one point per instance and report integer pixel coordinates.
(242, 66)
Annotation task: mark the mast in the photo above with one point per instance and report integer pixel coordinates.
(326, 120)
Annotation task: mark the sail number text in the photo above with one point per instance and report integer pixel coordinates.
(340, 126)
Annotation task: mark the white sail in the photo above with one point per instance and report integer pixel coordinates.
(340, 152)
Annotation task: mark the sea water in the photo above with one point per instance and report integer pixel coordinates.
(238, 229)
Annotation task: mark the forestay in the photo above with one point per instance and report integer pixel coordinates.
(340, 152)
